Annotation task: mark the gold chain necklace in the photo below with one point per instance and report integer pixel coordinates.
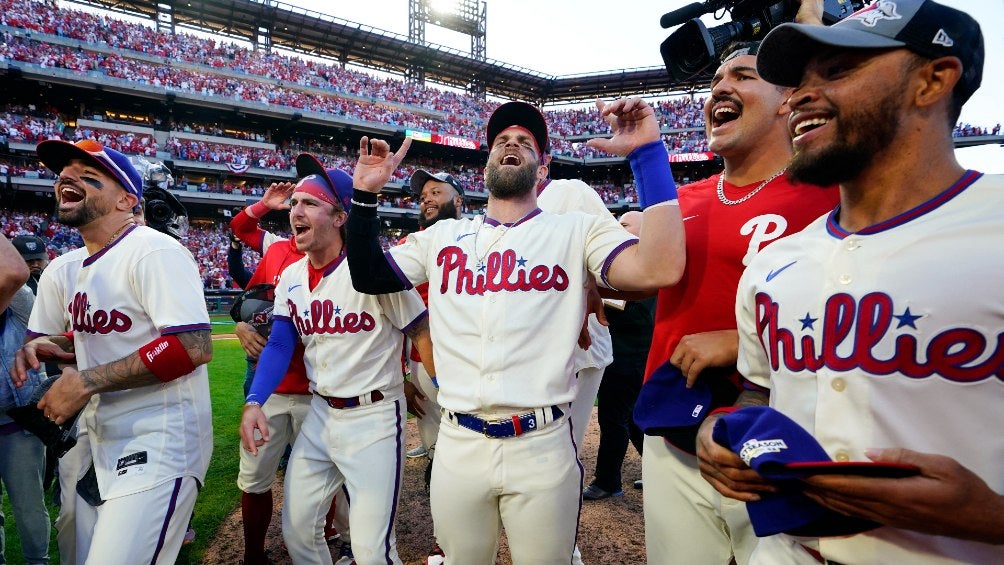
(481, 257)
(751, 194)
(117, 233)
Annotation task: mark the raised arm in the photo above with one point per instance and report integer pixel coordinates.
(245, 224)
(370, 270)
(660, 256)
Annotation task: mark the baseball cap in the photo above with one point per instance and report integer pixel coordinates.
(666, 407)
(522, 115)
(338, 182)
(421, 177)
(777, 448)
(30, 247)
(56, 154)
(922, 26)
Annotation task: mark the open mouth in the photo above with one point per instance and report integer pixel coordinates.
(69, 195)
(300, 229)
(510, 160)
(807, 125)
(724, 113)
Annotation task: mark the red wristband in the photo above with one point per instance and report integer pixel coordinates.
(258, 210)
(68, 335)
(166, 358)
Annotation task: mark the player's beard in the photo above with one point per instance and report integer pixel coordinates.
(505, 185)
(447, 211)
(88, 211)
(862, 133)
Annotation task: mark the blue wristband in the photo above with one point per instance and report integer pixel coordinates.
(652, 175)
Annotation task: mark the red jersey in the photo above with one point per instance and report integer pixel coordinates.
(721, 241)
(277, 257)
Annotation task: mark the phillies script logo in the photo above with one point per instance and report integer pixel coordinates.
(952, 354)
(98, 321)
(501, 272)
(323, 317)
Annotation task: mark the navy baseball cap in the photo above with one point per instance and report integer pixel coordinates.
(519, 114)
(421, 177)
(56, 154)
(338, 182)
(30, 247)
(922, 26)
(666, 407)
(777, 448)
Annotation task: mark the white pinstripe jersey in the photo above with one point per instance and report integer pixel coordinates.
(507, 304)
(352, 341)
(115, 301)
(889, 337)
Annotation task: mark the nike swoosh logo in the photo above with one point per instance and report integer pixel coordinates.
(463, 235)
(691, 217)
(777, 272)
(290, 289)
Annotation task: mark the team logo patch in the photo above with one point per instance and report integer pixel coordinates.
(877, 12)
(756, 447)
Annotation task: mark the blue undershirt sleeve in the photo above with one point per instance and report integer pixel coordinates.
(274, 360)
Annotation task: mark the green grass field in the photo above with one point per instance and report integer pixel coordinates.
(220, 495)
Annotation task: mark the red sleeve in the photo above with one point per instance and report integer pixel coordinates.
(246, 229)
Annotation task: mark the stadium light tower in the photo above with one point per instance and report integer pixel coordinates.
(463, 16)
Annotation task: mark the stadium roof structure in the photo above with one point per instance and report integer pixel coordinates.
(314, 33)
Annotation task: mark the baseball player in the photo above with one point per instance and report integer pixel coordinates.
(289, 404)
(729, 217)
(132, 298)
(353, 432)
(857, 338)
(507, 299)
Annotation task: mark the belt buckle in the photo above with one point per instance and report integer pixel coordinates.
(486, 424)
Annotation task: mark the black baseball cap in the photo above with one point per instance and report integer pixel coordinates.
(922, 26)
(520, 114)
(421, 177)
(30, 247)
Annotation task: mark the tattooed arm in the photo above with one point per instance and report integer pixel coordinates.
(72, 391)
(422, 339)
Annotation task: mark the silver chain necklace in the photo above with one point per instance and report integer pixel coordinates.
(751, 194)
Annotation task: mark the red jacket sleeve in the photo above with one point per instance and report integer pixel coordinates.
(246, 229)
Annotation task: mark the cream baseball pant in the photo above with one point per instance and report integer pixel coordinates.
(72, 466)
(686, 519)
(530, 485)
(146, 527)
(362, 448)
(428, 425)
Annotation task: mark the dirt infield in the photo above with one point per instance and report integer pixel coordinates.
(610, 531)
